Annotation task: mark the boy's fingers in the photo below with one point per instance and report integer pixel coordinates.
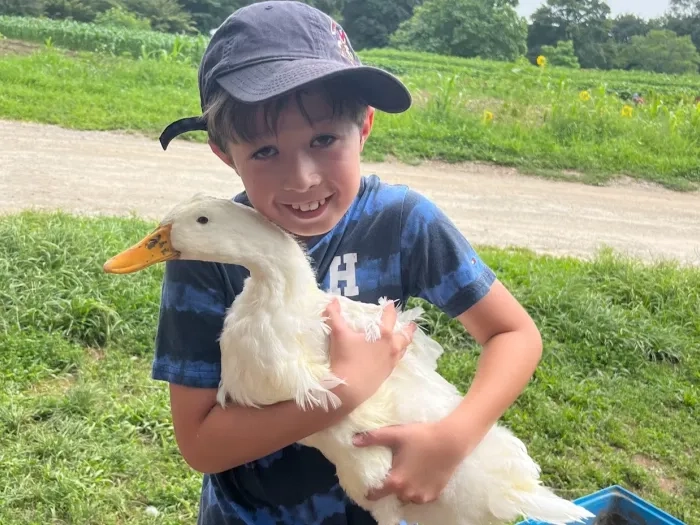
(333, 305)
(336, 321)
(412, 327)
(389, 316)
(409, 331)
(332, 312)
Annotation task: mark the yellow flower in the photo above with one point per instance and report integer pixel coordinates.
(541, 61)
(626, 111)
(584, 96)
(488, 116)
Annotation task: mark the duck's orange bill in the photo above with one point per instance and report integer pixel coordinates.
(152, 249)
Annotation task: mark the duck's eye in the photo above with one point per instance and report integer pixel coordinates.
(202, 220)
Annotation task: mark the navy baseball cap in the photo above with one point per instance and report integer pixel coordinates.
(270, 48)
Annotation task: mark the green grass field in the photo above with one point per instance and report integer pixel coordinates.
(85, 435)
(547, 121)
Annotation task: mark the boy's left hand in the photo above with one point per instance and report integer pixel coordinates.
(425, 455)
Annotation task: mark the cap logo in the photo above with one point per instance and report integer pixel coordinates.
(343, 43)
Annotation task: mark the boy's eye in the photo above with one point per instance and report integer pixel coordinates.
(323, 141)
(264, 153)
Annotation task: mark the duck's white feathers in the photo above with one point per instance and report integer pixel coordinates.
(274, 347)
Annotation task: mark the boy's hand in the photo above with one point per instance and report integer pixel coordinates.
(364, 365)
(425, 455)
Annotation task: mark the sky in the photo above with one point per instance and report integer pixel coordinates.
(643, 8)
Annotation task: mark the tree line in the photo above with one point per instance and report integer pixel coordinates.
(570, 33)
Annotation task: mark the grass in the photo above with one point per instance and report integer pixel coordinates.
(85, 435)
(544, 121)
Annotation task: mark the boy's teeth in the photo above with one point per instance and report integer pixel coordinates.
(309, 206)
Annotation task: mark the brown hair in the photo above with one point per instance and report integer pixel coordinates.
(229, 120)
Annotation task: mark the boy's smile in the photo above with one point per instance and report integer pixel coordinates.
(312, 209)
(305, 176)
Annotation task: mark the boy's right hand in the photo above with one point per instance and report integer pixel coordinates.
(364, 365)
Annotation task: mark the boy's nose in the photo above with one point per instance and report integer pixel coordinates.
(302, 177)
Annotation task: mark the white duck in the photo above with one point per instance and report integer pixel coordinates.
(274, 347)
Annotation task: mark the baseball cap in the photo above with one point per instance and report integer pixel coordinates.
(270, 48)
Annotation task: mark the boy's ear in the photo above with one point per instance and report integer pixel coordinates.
(367, 127)
(225, 157)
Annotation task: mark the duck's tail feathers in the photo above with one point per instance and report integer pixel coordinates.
(542, 504)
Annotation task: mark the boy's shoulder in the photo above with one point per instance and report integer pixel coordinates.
(378, 200)
(437, 262)
(415, 213)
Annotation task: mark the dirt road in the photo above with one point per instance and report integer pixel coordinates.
(96, 172)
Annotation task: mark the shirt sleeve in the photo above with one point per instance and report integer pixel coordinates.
(438, 263)
(192, 310)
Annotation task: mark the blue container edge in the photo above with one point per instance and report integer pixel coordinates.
(617, 490)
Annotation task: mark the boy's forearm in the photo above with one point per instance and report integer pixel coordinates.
(230, 437)
(506, 365)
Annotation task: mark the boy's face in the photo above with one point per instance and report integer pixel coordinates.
(305, 176)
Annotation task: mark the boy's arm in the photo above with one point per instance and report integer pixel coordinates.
(213, 439)
(512, 348)
(440, 265)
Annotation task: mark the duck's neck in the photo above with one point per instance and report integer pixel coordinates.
(280, 276)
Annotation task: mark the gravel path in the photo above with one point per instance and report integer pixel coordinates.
(47, 167)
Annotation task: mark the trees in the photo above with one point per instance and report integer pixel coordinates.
(624, 27)
(684, 19)
(585, 22)
(467, 28)
(209, 14)
(21, 7)
(562, 54)
(624, 42)
(662, 51)
(370, 23)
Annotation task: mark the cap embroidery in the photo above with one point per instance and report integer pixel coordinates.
(343, 43)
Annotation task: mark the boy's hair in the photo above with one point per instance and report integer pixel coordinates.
(230, 121)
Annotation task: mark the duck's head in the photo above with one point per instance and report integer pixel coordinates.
(206, 229)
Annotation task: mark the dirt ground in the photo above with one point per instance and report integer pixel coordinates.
(16, 47)
(46, 167)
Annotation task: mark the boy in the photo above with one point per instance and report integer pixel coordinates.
(288, 106)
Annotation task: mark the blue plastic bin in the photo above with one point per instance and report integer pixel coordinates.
(616, 500)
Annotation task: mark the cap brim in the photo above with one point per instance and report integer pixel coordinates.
(266, 80)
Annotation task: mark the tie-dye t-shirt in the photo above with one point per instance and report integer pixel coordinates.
(392, 242)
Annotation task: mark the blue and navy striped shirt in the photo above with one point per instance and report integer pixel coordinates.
(392, 242)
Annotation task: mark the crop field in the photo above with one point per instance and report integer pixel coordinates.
(544, 120)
